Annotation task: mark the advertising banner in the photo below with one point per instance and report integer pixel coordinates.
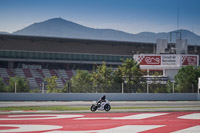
(199, 83)
(150, 60)
(189, 60)
(167, 60)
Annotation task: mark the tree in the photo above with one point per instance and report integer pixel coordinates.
(2, 86)
(169, 87)
(187, 79)
(102, 78)
(131, 73)
(81, 83)
(156, 86)
(117, 81)
(67, 87)
(52, 85)
(21, 84)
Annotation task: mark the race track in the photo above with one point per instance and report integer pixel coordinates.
(113, 103)
(151, 122)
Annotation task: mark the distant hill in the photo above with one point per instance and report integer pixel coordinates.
(2, 32)
(58, 27)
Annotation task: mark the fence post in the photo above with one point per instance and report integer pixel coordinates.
(198, 85)
(15, 87)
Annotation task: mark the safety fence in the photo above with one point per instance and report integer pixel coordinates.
(95, 96)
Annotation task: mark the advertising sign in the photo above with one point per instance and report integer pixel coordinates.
(169, 60)
(199, 83)
(189, 60)
(150, 60)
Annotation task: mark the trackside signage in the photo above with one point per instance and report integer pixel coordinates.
(189, 60)
(199, 83)
(167, 60)
(150, 60)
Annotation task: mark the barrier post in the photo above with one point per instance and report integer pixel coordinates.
(198, 85)
(15, 87)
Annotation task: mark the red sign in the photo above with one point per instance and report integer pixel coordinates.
(189, 60)
(150, 60)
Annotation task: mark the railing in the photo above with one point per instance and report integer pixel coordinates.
(61, 56)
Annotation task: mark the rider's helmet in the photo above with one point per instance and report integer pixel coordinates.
(103, 97)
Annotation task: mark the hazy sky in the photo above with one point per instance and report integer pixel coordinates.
(131, 16)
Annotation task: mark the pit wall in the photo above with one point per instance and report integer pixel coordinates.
(96, 96)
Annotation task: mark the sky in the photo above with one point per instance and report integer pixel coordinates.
(132, 16)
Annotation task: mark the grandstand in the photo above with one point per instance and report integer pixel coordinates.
(36, 58)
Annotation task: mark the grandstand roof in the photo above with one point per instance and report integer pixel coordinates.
(70, 45)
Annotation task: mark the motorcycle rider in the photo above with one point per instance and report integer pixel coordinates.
(102, 99)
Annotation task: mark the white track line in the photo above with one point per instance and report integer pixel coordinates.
(193, 116)
(131, 117)
(195, 129)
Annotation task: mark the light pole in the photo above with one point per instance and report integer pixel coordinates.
(96, 88)
(123, 84)
(42, 87)
(198, 85)
(15, 86)
(173, 85)
(147, 87)
(122, 87)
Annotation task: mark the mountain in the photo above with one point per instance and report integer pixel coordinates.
(58, 27)
(2, 32)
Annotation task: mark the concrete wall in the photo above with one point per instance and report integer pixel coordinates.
(94, 96)
(198, 97)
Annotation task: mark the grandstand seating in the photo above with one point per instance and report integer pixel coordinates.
(53, 72)
(3, 72)
(19, 72)
(37, 76)
(46, 73)
(27, 73)
(10, 72)
(39, 71)
(63, 73)
(32, 82)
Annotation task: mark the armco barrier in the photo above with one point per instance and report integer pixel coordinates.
(95, 96)
(198, 97)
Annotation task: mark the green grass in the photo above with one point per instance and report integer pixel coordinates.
(67, 108)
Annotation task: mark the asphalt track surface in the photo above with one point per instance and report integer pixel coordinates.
(113, 103)
(134, 122)
(160, 105)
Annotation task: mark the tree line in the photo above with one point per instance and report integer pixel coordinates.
(105, 79)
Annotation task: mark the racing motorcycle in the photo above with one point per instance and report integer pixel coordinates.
(101, 106)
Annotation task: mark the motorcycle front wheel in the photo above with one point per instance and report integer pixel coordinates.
(93, 108)
(107, 107)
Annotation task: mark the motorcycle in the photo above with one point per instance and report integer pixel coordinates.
(101, 106)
